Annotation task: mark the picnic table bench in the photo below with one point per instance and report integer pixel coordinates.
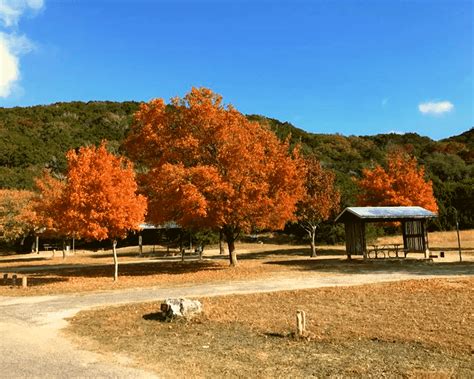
(386, 251)
(48, 246)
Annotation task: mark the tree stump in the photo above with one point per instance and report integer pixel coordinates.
(300, 323)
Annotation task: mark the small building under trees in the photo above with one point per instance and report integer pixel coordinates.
(413, 222)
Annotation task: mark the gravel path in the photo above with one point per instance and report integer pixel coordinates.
(32, 345)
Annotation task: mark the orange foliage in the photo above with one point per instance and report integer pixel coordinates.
(403, 183)
(48, 207)
(14, 213)
(100, 199)
(320, 201)
(208, 166)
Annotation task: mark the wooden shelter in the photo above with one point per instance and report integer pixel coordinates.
(412, 219)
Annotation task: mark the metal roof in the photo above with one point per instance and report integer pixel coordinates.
(166, 225)
(388, 213)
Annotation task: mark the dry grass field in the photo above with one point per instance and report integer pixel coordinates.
(441, 241)
(91, 271)
(407, 329)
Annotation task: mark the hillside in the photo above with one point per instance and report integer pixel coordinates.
(33, 138)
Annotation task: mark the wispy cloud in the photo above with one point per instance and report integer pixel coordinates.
(435, 107)
(12, 44)
(12, 10)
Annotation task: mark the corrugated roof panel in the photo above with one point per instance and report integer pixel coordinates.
(391, 212)
(388, 212)
(167, 225)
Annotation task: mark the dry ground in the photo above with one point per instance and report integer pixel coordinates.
(441, 241)
(418, 328)
(90, 271)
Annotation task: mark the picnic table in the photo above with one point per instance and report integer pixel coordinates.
(48, 246)
(390, 250)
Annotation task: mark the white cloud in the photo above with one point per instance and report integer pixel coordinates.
(12, 10)
(9, 69)
(435, 107)
(13, 45)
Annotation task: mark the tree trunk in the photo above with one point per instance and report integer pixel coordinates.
(64, 249)
(312, 235)
(200, 251)
(140, 245)
(230, 237)
(73, 245)
(221, 242)
(114, 248)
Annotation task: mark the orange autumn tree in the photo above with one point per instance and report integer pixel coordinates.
(207, 166)
(49, 207)
(401, 183)
(320, 201)
(15, 214)
(100, 200)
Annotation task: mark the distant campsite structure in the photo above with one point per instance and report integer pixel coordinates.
(413, 221)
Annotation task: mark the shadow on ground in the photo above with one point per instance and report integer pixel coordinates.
(33, 281)
(303, 252)
(156, 316)
(129, 269)
(359, 266)
(23, 260)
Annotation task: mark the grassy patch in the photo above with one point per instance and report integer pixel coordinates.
(77, 274)
(92, 271)
(411, 328)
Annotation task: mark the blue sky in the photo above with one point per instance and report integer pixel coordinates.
(349, 67)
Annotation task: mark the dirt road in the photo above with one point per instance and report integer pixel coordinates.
(33, 346)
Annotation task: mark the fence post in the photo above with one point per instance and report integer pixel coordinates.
(300, 323)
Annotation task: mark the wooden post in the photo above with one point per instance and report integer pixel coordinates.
(300, 323)
(427, 240)
(405, 240)
(140, 245)
(5, 279)
(37, 245)
(14, 279)
(457, 231)
(24, 281)
(423, 232)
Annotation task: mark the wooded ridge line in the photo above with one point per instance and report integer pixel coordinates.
(37, 137)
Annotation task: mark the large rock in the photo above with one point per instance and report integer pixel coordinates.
(180, 308)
